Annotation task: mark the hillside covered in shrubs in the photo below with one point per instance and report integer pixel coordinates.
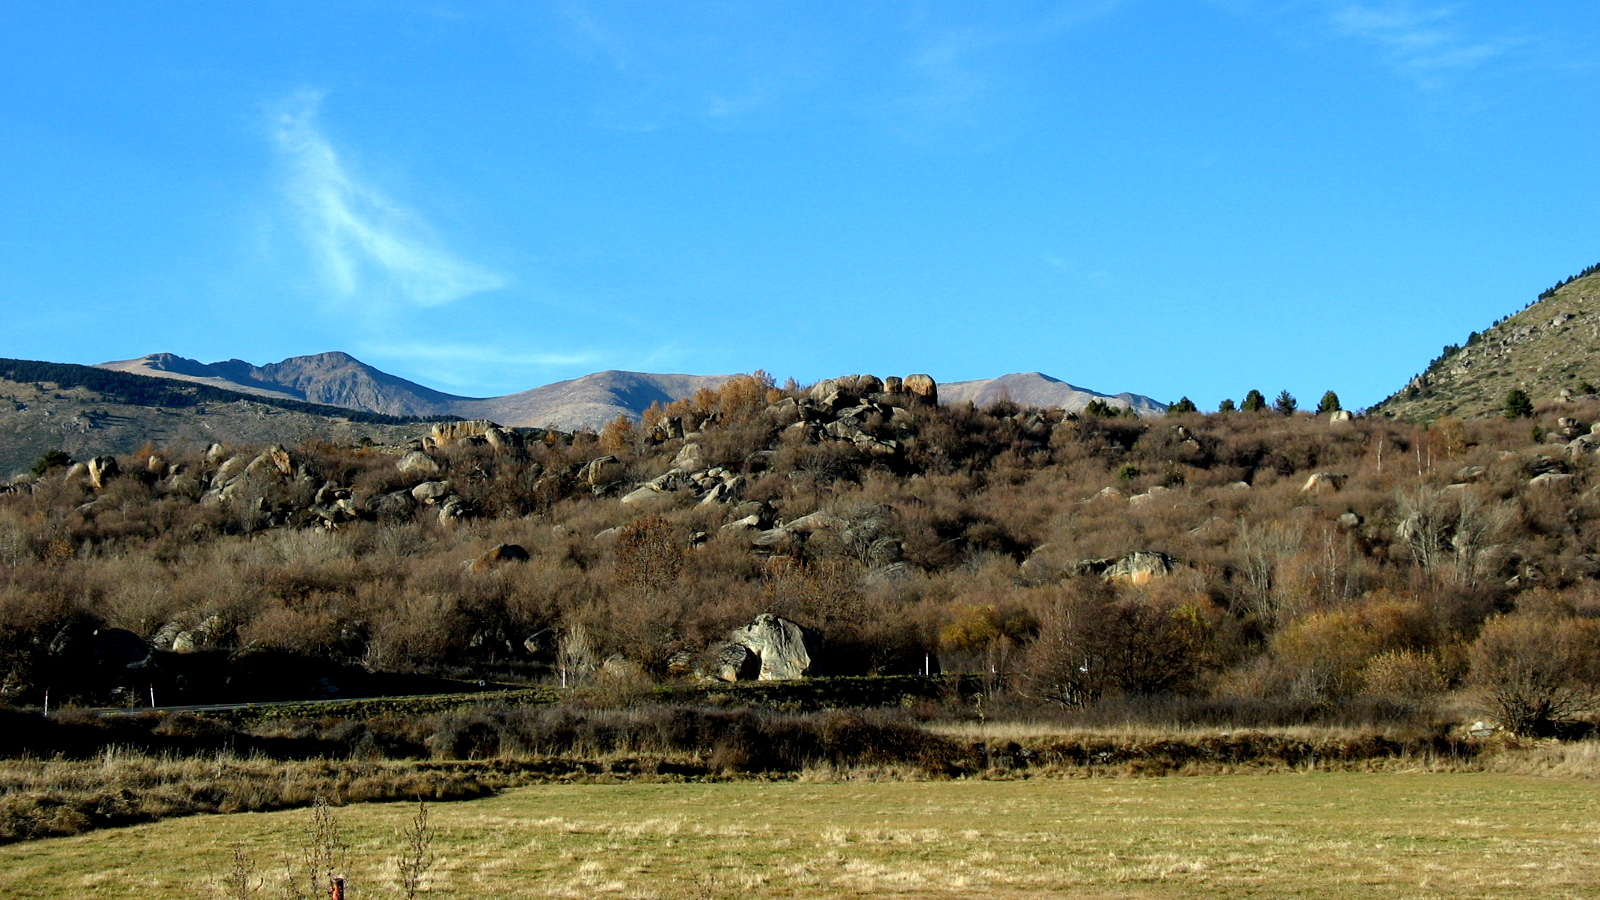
(1235, 560)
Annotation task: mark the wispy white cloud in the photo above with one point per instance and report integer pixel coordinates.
(372, 251)
(480, 354)
(1429, 44)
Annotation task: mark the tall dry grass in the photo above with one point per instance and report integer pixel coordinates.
(53, 797)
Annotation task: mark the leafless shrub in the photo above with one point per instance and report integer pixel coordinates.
(1535, 673)
(417, 855)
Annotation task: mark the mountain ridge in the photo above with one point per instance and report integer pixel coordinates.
(338, 379)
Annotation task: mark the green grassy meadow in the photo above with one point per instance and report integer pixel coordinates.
(1325, 835)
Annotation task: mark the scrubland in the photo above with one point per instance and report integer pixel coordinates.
(1326, 604)
(1308, 566)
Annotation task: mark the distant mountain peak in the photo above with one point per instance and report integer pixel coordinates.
(336, 378)
(1039, 389)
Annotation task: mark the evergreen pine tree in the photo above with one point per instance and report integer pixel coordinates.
(1330, 403)
(1184, 405)
(1286, 404)
(55, 459)
(1518, 404)
(1225, 406)
(1254, 401)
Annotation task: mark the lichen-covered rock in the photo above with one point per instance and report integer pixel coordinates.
(393, 505)
(688, 458)
(430, 492)
(418, 465)
(600, 472)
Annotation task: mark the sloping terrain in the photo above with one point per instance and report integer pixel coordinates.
(39, 415)
(339, 379)
(333, 379)
(1039, 389)
(587, 402)
(1550, 346)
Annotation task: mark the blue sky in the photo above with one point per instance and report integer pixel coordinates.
(1173, 198)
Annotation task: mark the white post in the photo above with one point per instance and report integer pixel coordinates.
(152, 696)
(927, 664)
(47, 701)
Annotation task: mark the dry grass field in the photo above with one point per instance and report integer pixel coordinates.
(1317, 834)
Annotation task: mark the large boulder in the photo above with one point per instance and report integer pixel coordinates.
(600, 472)
(688, 458)
(120, 647)
(418, 465)
(780, 644)
(726, 492)
(1583, 445)
(273, 460)
(922, 387)
(393, 505)
(1140, 567)
(230, 469)
(454, 509)
(1323, 482)
(430, 492)
(101, 470)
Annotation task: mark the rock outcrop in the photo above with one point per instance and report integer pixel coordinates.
(101, 470)
(479, 432)
(418, 464)
(780, 648)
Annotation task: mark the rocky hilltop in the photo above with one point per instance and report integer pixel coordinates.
(1550, 349)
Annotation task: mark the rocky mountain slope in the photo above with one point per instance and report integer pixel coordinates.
(334, 379)
(1039, 389)
(338, 379)
(37, 417)
(1551, 346)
